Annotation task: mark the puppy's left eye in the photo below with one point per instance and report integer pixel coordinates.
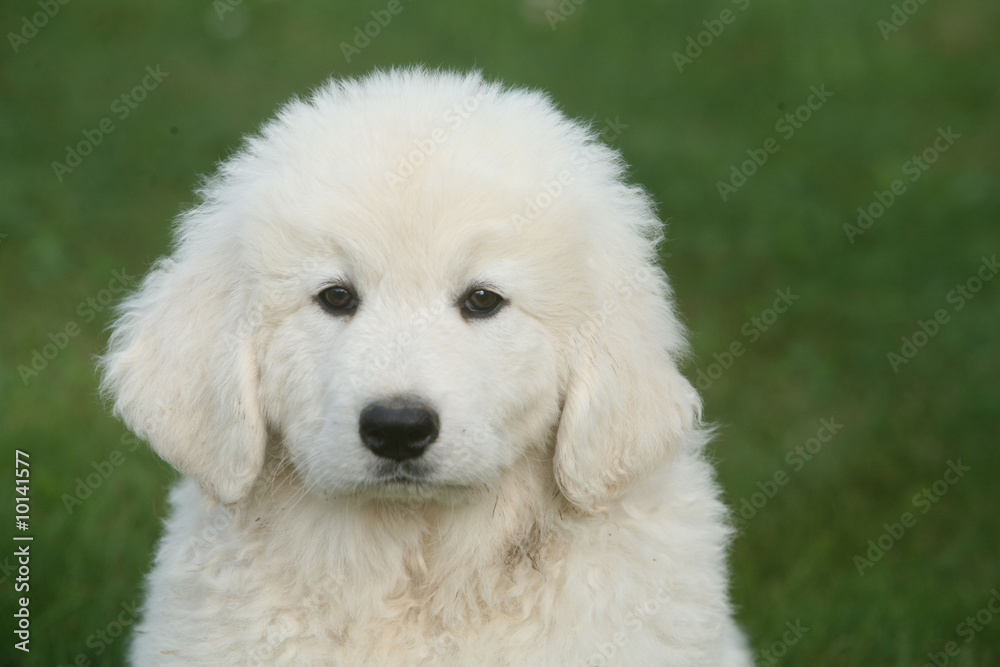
(338, 300)
(481, 302)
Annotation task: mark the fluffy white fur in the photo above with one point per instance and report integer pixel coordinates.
(567, 516)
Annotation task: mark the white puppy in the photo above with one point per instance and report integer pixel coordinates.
(416, 359)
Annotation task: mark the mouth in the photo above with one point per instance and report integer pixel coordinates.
(404, 482)
(411, 482)
(402, 473)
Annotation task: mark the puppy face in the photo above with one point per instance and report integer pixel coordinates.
(411, 282)
(408, 359)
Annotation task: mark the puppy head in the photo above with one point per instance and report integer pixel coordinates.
(412, 281)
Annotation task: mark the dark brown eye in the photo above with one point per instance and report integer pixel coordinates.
(338, 300)
(481, 303)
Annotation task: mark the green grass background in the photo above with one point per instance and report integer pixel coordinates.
(826, 357)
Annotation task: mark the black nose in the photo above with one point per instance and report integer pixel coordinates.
(398, 429)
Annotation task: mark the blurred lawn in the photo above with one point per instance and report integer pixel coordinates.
(60, 243)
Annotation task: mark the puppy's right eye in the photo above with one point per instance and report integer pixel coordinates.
(481, 302)
(338, 300)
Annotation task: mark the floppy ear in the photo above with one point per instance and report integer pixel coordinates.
(182, 369)
(627, 408)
